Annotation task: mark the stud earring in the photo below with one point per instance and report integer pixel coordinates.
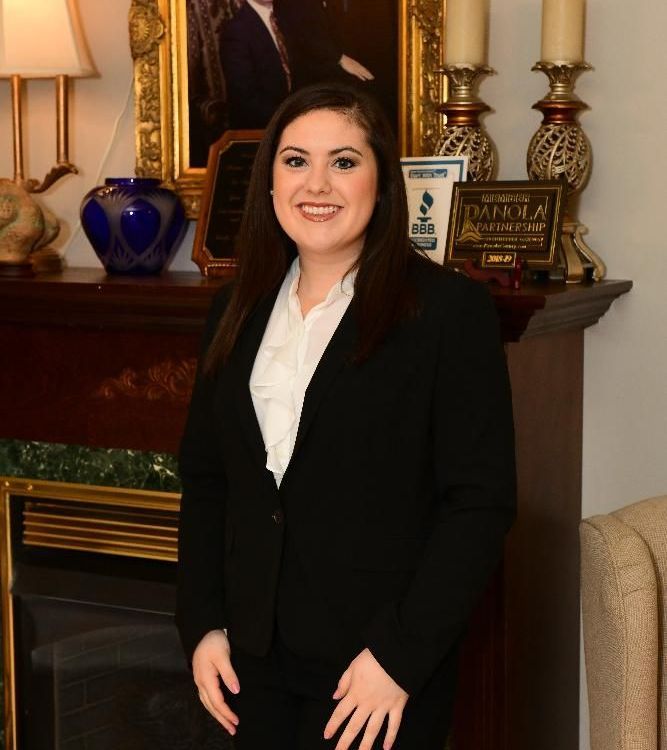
(270, 192)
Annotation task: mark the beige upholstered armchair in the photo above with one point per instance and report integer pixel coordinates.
(623, 580)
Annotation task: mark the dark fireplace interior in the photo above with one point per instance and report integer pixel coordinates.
(98, 664)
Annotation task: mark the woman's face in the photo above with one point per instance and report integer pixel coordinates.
(325, 184)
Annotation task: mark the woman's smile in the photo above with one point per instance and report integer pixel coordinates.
(318, 211)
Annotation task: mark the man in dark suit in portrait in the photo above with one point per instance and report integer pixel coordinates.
(317, 49)
(256, 65)
(369, 29)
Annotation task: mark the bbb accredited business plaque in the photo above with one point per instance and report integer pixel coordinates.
(429, 181)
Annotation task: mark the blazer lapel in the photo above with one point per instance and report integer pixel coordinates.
(335, 355)
(242, 362)
(338, 351)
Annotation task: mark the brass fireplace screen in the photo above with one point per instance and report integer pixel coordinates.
(91, 654)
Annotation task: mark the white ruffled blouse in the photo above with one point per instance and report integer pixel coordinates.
(290, 351)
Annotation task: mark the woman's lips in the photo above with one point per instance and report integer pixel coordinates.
(318, 212)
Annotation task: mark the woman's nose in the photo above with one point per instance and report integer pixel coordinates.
(317, 180)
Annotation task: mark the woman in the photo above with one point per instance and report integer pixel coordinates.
(347, 465)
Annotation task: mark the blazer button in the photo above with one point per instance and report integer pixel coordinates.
(278, 516)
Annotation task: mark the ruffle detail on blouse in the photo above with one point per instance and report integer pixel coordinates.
(279, 366)
(274, 385)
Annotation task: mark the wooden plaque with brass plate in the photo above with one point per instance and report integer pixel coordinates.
(227, 175)
(493, 223)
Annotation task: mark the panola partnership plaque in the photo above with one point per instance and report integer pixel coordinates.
(496, 222)
(429, 181)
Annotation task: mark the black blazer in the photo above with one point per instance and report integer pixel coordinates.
(255, 80)
(312, 39)
(399, 492)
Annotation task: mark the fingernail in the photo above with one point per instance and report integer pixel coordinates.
(327, 735)
(235, 688)
(335, 696)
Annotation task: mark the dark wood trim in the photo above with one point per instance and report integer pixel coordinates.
(88, 297)
(537, 309)
(177, 301)
(541, 565)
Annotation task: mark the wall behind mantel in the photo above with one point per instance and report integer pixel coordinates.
(625, 414)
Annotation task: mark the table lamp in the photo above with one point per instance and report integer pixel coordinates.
(38, 39)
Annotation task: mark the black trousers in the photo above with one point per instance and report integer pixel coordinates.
(285, 703)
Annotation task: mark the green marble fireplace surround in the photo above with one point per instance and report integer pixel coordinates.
(107, 467)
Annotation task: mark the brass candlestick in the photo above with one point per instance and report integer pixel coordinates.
(464, 135)
(561, 150)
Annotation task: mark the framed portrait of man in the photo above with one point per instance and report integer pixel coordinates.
(245, 56)
(206, 67)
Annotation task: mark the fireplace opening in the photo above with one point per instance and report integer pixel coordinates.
(92, 656)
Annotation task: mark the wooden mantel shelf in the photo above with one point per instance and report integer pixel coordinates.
(88, 297)
(177, 301)
(536, 309)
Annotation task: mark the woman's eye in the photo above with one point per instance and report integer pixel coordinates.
(344, 162)
(295, 161)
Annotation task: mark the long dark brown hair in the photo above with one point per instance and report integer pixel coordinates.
(382, 294)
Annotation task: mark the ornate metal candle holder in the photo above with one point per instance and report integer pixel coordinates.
(463, 134)
(561, 150)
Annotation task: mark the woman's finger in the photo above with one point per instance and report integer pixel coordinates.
(373, 728)
(228, 675)
(340, 713)
(226, 723)
(209, 683)
(354, 726)
(343, 685)
(217, 700)
(394, 722)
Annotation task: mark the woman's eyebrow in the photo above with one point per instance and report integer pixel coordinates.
(345, 148)
(333, 152)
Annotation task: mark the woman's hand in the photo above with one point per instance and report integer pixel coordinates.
(354, 68)
(210, 662)
(367, 694)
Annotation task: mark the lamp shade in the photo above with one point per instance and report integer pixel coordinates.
(42, 39)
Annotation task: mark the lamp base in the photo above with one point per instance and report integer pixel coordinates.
(16, 269)
(46, 260)
(25, 227)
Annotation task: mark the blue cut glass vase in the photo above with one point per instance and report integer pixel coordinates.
(134, 225)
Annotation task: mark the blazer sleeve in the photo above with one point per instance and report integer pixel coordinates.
(199, 580)
(474, 465)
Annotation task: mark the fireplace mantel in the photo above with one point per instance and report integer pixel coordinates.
(177, 302)
(108, 361)
(99, 363)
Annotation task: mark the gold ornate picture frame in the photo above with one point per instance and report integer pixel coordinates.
(158, 40)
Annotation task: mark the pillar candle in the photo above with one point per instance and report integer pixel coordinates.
(465, 32)
(563, 30)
